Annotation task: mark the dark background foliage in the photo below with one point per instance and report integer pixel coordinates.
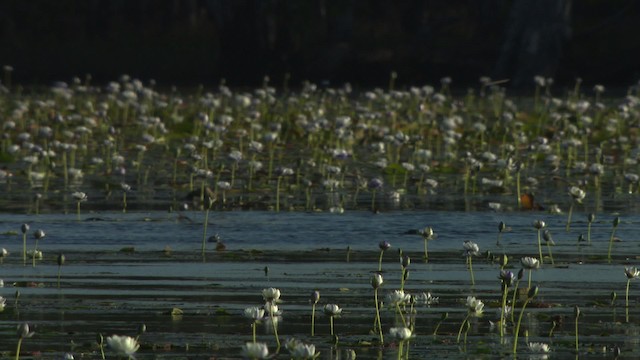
(190, 42)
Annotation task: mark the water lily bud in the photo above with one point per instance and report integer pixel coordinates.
(406, 261)
(23, 331)
(142, 329)
(501, 226)
(533, 292)
(99, 339)
(539, 224)
(616, 221)
(444, 316)
(576, 311)
(614, 295)
(39, 234)
(377, 280)
(383, 245)
(504, 260)
(24, 228)
(61, 259)
(520, 274)
(315, 297)
(405, 277)
(581, 238)
(591, 217)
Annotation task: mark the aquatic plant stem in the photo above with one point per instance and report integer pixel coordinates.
(313, 319)
(505, 290)
(278, 193)
(378, 322)
(613, 232)
(569, 217)
(331, 325)
(18, 348)
(426, 252)
(626, 299)
(380, 261)
(275, 330)
(400, 352)
(462, 325)
(540, 248)
(549, 250)
(253, 330)
(517, 330)
(24, 249)
(473, 280)
(33, 257)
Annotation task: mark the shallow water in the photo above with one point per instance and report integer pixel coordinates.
(120, 273)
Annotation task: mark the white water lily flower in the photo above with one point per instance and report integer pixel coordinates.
(398, 297)
(577, 194)
(79, 196)
(271, 294)
(530, 263)
(332, 310)
(538, 347)
(123, 345)
(255, 351)
(254, 313)
(631, 272)
(401, 333)
(301, 351)
(475, 306)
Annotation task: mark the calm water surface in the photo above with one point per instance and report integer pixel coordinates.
(107, 290)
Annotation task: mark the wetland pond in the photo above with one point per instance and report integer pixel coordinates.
(125, 270)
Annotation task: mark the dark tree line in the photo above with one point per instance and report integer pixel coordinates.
(201, 41)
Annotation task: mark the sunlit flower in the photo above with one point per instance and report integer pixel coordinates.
(123, 345)
(577, 194)
(631, 272)
(530, 263)
(398, 297)
(470, 248)
(538, 347)
(428, 299)
(332, 310)
(300, 350)
(254, 313)
(475, 306)
(255, 351)
(271, 294)
(401, 333)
